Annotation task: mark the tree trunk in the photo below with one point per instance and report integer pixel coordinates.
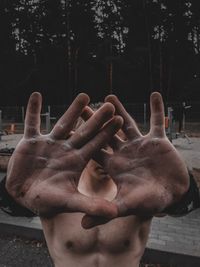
(69, 57)
(170, 74)
(149, 45)
(110, 70)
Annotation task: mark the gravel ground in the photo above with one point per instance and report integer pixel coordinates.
(17, 252)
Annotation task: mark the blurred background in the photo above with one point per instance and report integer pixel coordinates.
(129, 48)
(126, 47)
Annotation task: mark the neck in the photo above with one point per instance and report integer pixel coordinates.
(91, 186)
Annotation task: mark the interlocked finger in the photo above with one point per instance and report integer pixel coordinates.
(67, 121)
(102, 138)
(87, 113)
(115, 142)
(101, 157)
(92, 126)
(129, 127)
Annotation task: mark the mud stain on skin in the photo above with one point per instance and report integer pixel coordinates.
(69, 244)
(127, 243)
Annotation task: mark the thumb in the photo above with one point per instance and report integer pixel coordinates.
(92, 221)
(93, 206)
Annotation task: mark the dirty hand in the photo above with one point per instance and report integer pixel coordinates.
(44, 170)
(149, 172)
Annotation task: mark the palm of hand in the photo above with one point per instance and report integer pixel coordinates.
(148, 171)
(44, 170)
(141, 171)
(50, 175)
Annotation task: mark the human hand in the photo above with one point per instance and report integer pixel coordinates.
(44, 170)
(149, 172)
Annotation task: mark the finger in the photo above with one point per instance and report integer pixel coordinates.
(115, 142)
(32, 119)
(101, 157)
(93, 206)
(102, 138)
(92, 221)
(60, 200)
(157, 115)
(130, 128)
(141, 199)
(67, 121)
(87, 113)
(92, 126)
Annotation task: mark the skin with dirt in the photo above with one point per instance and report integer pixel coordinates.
(140, 177)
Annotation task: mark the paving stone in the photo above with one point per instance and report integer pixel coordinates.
(180, 235)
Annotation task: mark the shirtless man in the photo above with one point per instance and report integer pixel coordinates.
(55, 176)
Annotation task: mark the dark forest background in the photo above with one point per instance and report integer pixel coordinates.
(126, 47)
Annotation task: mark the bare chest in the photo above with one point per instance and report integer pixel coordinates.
(121, 234)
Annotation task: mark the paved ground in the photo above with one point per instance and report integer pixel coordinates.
(10, 140)
(177, 235)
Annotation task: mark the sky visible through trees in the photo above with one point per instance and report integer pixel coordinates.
(129, 48)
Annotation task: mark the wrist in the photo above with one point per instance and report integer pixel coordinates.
(189, 201)
(9, 205)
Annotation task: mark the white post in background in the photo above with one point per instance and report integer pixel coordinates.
(48, 122)
(48, 119)
(49, 110)
(170, 116)
(183, 122)
(23, 114)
